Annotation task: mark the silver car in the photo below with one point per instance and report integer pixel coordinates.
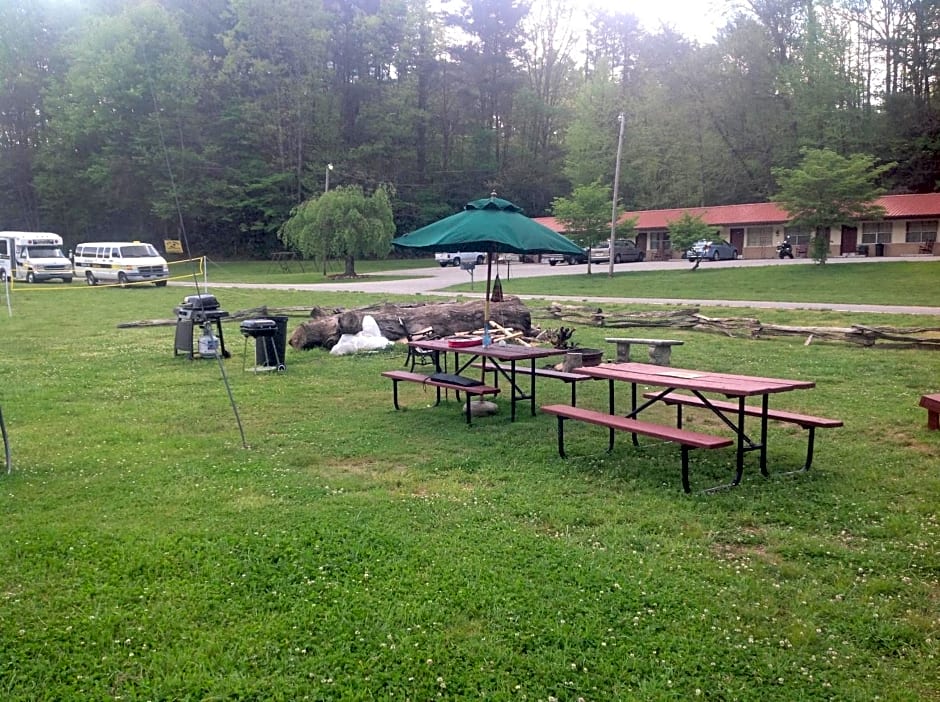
(711, 250)
(624, 250)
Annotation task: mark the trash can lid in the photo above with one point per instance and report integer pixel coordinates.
(258, 327)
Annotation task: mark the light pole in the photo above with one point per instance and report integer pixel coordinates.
(613, 214)
(329, 167)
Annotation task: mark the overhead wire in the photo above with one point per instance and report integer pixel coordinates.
(185, 238)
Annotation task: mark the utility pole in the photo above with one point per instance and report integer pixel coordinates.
(613, 214)
(329, 167)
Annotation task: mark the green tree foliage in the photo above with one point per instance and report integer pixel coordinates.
(688, 229)
(345, 223)
(828, 190)
(585, 215)
(218, 117)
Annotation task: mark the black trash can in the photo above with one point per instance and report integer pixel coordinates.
(862, 250)
(879, 249)
(270, 350)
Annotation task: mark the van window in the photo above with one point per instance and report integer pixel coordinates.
(138, 251)
(3, 248)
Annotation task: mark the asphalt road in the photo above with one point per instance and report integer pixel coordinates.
(431, 281)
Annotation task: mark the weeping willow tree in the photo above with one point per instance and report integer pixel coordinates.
(342, 223)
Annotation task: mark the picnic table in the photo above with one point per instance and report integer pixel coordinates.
(702, 387)
(512, 362)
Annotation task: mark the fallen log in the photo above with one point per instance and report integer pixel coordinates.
(446, 319)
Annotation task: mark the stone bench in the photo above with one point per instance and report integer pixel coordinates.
(660, 349)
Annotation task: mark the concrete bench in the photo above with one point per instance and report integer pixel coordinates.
(398, 376)
(660, 349)
(932, 404)
(685, 438)
(806, 421)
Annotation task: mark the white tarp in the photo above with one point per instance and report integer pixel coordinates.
(369, 339)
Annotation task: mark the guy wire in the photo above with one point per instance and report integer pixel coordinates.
(182, 227)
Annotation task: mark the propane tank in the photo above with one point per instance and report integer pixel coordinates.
(208, 345)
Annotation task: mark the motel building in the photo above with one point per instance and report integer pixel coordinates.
(908, 228)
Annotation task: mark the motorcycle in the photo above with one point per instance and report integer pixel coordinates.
(784, 249)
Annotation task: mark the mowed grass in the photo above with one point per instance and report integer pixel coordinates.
(352, 552)
(868, 282)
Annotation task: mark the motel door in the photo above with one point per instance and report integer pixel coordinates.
(849, 240)
(737, 238)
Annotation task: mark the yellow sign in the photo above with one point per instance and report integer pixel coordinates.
(173, 246)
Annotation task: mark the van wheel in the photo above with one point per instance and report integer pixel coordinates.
(30, 277)
(160, 283)
(67, 279)
(90, 278)
(3, 275)
(617, 258)
(122, 279)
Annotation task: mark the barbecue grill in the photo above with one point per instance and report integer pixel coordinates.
(269, 336)
(198, 311)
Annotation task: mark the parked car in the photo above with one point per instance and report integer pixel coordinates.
(711, 249)
(458, 257)
(571, 259)
(625, 250)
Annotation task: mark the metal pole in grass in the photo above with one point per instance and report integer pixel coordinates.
(185, 239)
(6, 292)
(613, 214)
(6, 443)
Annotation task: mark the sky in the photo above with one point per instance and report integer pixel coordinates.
(696, 19)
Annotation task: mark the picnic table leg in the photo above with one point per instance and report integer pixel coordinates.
(739, 470)
(532, 387)
(636, 441)
(765, 403)
(610, 403)
(561, 436)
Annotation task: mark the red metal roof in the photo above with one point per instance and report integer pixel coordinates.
(896, 206)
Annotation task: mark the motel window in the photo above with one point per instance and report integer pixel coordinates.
(760, 236)
(920, 231)
(876, 232)
(657, 240)
(798, 236)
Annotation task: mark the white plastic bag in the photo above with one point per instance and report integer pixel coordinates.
(369, 339)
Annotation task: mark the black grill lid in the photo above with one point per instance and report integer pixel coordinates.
(205, 301)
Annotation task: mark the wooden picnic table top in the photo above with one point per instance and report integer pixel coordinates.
(730, 384)
(500, 352)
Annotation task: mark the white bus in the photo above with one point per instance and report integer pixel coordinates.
(120, 262)
(33, 257)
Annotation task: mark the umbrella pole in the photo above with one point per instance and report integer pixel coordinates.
(489, 277)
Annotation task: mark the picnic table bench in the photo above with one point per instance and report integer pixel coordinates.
(685, 438)
(805, 421)
(660, 349)
(398, 376)
(568, 377)
(932, 404)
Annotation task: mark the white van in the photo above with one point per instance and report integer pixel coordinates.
(120, 262)
(33, 257)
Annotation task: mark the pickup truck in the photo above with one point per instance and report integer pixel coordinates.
(458, 257)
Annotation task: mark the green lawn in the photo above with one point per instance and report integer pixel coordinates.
(892, 283)
(301, 271)
(352, 552)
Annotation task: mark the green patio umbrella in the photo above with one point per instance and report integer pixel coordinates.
(492, 225)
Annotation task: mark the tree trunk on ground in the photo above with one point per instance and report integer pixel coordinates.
(445, 319)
